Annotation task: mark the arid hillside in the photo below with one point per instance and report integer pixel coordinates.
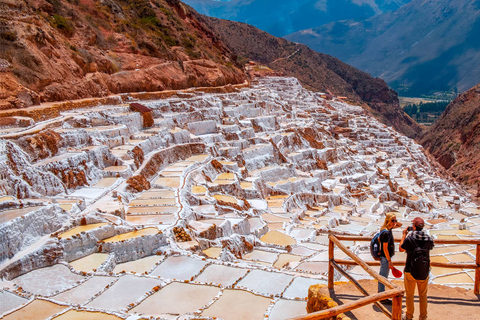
(316, 71)
(62, 50)
(454, 139)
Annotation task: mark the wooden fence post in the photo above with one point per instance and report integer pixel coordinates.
(331, 257)
(476, 287)
(397, 307)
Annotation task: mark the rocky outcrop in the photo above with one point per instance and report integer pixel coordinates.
(454, 139)
(64, 52)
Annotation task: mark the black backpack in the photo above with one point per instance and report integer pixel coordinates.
(375, 246)
(419, 263)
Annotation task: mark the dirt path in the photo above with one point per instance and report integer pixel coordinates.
(445, 303)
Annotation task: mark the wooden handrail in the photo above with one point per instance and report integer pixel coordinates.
(437, 241)
(452, 265)
(325, 314)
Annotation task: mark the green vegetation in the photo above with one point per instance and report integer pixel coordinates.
(426, 112)
(62, 24)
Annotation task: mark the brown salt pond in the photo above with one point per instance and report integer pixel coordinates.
(138, 266)
(79, 229)
(132, 235)
(144, 219)
(278, 238)
(8, 215)
(172, 182)
(231, 305)
(85, 315)
(90, 262)
(192, 297)
(36, 310)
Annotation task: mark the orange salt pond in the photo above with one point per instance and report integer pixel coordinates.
(79, 229)
(198, 158)
(138, 266)
(226, 176)
(90, 262)
(231, 305)
(199, 189)
(225, 198)
(458, 278)
(36, 310)
(246, 185)
(132, 235)
(450, 249)
(105, 183)
(213, 252)
(279, 238)
(85, 315)
(157, 193)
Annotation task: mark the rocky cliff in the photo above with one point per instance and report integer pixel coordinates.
(61, 50)
(454, 139)
(316, 71)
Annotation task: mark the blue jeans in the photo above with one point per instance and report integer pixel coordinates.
(384, 271)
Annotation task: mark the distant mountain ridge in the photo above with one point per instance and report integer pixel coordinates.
(280, 18)
(423, 47)
(316, 71)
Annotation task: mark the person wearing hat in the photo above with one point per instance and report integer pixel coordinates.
(417, 243)
(387, 249)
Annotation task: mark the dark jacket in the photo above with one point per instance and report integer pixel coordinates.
(414, 239)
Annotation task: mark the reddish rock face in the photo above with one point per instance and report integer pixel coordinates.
(42, 145)
(138, 184)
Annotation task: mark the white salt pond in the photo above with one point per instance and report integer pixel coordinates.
(132, 235)
(221, 275)
(85, 291)
(179, 268)
(49, 280)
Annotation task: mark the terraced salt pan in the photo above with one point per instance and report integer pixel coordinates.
(179, 268)
(201, 190)
(177, 298)
(146, 219)
(89, 193)
(86, 315)
(49, 280)
(152, 210)
(231, 305)
(157, 193)
(213, 252)
(458, 278)
(138, 266)
(132, 235)
(286, 260)
(85, 291)
(315, 267)
(105, 183)
(56, 158)
(198, 158)
(115, 168)
(298, 289)
(10, 301)
(266, 283)
(286, 309)
(279, 238)
(8, 215)
(125, 291)
(90, 262)
(221, 275)
(36, 310)
(171, 182)
(153, 202)
(261, 255)
(225, 198)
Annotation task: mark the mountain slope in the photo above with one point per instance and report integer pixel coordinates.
(315, 70)
(280, 18)
(423, 47)
(59, 50)
(454, 139)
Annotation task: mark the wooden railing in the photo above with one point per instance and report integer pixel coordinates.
(393, 291)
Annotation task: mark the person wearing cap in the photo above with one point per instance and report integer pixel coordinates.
(387, 249)
(412, 238)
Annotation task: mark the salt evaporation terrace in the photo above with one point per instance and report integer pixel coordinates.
(244, 189)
